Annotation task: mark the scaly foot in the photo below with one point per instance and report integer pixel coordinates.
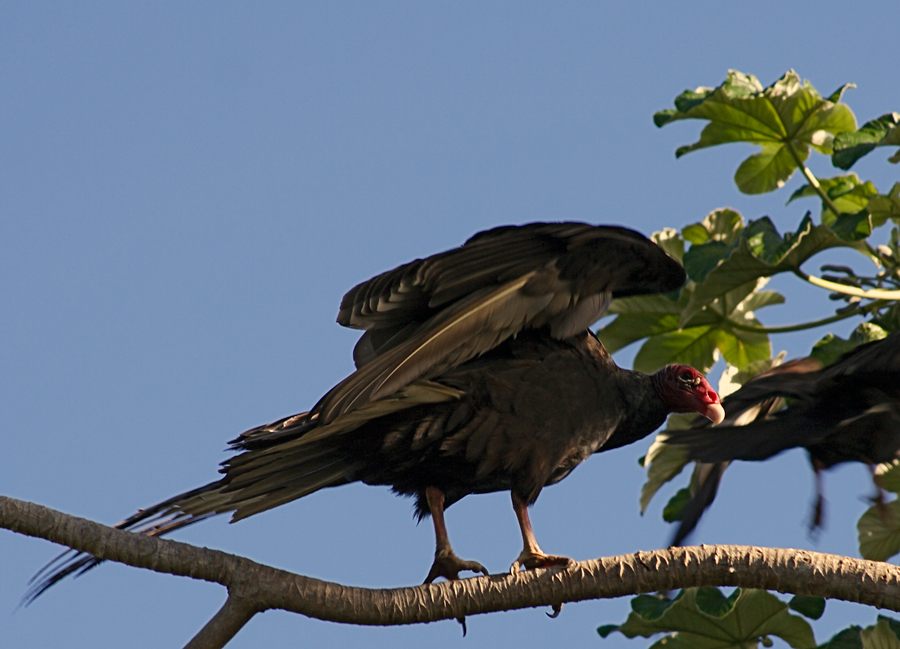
(448, 565)
(531, 560)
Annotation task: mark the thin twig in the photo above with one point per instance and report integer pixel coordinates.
(802, 326)
(813, 181)
(796, 327)
(875, 293)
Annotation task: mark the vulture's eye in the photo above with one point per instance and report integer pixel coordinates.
(687, 377)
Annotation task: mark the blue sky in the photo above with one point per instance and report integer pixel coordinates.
(187, 190)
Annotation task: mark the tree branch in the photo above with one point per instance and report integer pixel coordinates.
(224, 625)
(254, 587)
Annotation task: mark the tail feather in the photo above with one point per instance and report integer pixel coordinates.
(157, 520)
(247, 490)
(278, 463)
(323, 478)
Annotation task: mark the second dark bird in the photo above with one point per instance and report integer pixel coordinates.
(848, 411)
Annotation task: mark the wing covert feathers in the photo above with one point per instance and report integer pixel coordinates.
(444, 310)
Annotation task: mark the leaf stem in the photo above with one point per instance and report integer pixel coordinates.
(813, 181)
(797, 327)
(875, 293)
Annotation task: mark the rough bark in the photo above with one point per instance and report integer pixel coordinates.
(254, 587)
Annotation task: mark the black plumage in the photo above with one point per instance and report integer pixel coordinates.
(477, 373)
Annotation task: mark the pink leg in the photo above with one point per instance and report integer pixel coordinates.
(446, 563)
(532, 556)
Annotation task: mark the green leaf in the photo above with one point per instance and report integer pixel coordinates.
(627, 328)
(849, 638)
(887, 207)
(700, 259)
(760, 252)
(892, 624)
(669, 240)
(889, 319)
(755, 301)
(674, 509)
(732, 378)
(738, 85)
(770, 168)
(887, 475)
(651, 607)
(694, 346)
(848, 193)
(830, 348)
(808, 606)
(648, 316)
(740, 348)
(698, 340)
(786, 120)
(853, 145)
(867, 332)
(713, 239)
(723, 224)
(678, 333)
(764, 241)
(663, 462)
(711, 601)
(880, 636)
(741, 621)
(853, 227)
(695, 233)
(879, 532)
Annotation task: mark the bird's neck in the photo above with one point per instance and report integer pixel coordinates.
(644, 409)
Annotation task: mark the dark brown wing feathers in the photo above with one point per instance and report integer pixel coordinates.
(615, 258)
(451, 307)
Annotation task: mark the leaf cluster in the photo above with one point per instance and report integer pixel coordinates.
(704, 618)
(729, 259)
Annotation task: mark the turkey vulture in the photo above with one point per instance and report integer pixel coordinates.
(476, 373)
(848, 411)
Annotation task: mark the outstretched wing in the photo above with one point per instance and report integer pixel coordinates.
(876, 356)
(752, 430)
(436, 313)
(846, 401)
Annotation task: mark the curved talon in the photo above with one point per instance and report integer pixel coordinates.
(530, 561)
(449, 566)
(557, 609)
(446, 563)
